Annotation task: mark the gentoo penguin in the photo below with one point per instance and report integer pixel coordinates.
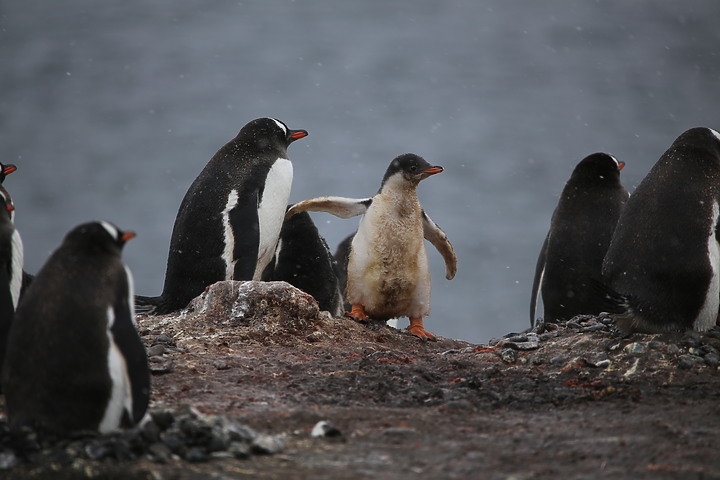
(11, 262)
(387, 269)
(663, 263)
(74, 358)
(229, 221)
(341, 257)
(303, 259)
(580, 231)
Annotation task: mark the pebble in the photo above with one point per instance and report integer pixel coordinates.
(635, 348)
(156, 350)
(508, 355)
(267, 444)
(712, 359)
(612, 345)
(324, 429)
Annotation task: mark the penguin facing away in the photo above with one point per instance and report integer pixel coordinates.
(662, 269)
(229, 221)
(11, 262)
(387, 272)
(303, 259)
(74, 336)
(570, 260)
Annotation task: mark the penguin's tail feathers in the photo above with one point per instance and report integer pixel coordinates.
(147, 305)
(613, 302)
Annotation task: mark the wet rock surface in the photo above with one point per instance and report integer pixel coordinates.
(332, 398)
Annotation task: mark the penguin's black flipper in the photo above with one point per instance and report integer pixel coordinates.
(339, 206)
(539, 271)
(147, 305)
(437, 237)
(245, 225)
(128, 342)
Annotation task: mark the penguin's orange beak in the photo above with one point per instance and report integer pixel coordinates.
(8, 169)
(9, 207)
(432, 170)
(296, 134)
(127, 236)
(621, 165)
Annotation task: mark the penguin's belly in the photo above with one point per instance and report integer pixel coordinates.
(271, 211)
(708, 315)
(120, 400)
(388, 273)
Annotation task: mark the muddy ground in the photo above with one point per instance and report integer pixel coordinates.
(571, 401)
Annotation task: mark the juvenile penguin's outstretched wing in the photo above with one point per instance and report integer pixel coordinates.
(339, 206)
(437, 237)
(539, 271)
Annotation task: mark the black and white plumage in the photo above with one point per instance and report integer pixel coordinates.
(387, 271)
(11, 262)
(74, 358)
(570, 261)
(303, 259)
(662, 268)
(229, 221)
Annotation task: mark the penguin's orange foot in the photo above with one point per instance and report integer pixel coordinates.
(416, 328)
(358, 313)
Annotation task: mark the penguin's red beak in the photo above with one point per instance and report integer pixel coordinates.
(621, 165)
(432, 170)
(296, 134)
(8, 169)
(9, 207)
(127, 236)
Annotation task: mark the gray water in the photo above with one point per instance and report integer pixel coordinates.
(110, 110)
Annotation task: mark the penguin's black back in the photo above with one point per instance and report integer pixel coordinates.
(59, 339)
(304, 261)
(658, 255)
(580, 233)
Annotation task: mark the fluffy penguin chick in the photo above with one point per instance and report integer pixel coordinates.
(387, 271)
(74, 358)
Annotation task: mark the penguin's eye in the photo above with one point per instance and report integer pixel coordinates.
(413, 168)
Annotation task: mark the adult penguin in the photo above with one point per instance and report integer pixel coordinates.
(663, 264)
(388, 273)
(74, 358)
(570, 260)
(228, 224)
(303, 259)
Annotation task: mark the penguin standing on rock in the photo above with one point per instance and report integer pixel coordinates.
(74, 358)
(570, 261)
(387, 272)
(662, 270)
(228, 224)
(11, 262)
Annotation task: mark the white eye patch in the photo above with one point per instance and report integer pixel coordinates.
(280, 124)
(111, 230)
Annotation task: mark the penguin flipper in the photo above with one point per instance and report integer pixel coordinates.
(539, 271)
(339, 206)
(128, 342)
(437, 237)
(245, 226)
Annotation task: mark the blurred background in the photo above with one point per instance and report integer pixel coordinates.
(111, 109)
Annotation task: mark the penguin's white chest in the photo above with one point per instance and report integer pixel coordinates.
(271, 211)
(388, 269)
(120, 392)
(17, 267)
(709, 312)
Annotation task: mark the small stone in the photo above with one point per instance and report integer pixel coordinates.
(399, 434)
(634, 348)
(573, 325)
(95, 450)
(239, 450)
(612, 346)
(592, 328)
(221, 365)
(324, 429)
(602, 363)
(267, 444)
(673, 349)
(195, 455)
(8, 460)
(558, 359)
(450, 352)
(607, 321)
(696, 351)
(691, 339)
(159, 365)
(685, 363)
(655, 344)
(709, 349)
(518, 338)
(173, 441)
(159, 452)
(156, 350)
(150, 431)
(162, 419)
(162, 338)
(508, 355)
(712, 359)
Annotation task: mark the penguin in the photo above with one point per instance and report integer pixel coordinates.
(229, 221)
(341, 257)
(11, 262)
(581, 228)
(662, 269)
(303, 259)
(387, 271)
(74, 359)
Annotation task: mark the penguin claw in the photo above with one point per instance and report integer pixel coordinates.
(419, 331)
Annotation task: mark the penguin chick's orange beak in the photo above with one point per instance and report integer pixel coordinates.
(9, 207)
(8, 169)
(295, 134)
(127, 236)
(621, 165)
(432, 170)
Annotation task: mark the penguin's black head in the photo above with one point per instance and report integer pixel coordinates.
(268, 134)
(411, 168)
(5, 170)
(598, 167)
(98, 236)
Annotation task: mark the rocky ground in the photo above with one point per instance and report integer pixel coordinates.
(243, 378)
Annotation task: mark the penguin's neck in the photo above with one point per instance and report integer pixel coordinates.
(402, 195)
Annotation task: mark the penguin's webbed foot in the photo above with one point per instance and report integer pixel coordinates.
(358, 313)
(416, 328)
